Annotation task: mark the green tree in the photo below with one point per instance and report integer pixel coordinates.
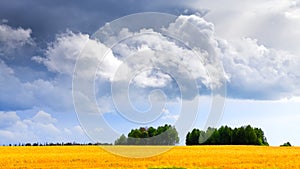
(287, 144)
(250, 136)
(261, 139)
(172, 136)
(210, 136)
(134, 137)
(151, 131)
(121, 141)
(240, 137)
(163, 135)
(202, 137)
(187, 139)
(226, 136)
(194, 137)
(215, 138)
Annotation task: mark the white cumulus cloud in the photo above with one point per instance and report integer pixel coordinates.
(256, 71)
(12, 38)
(42, 127)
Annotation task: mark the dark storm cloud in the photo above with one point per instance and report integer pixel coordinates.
(46, 18)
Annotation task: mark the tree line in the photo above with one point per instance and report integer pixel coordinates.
(168, 135)
(225, 135)
(57, 144)
(162, 135)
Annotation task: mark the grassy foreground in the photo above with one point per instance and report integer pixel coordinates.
(177, 157)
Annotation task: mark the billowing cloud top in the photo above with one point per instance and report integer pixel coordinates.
(252, 70)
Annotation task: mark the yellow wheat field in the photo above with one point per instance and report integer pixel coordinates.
(177, 157)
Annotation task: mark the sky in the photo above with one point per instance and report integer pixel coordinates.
(91, 71)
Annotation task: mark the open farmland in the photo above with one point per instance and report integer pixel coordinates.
(177, 157)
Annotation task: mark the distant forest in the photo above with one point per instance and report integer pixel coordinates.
(168, 135)
(225, 135)
(57, 144)
(162, 135)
